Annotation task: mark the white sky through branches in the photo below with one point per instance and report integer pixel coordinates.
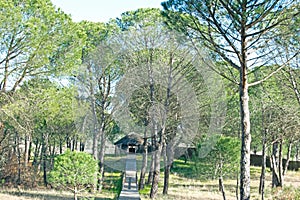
(102, 10)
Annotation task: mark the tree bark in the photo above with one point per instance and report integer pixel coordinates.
(166, 170)
(101, 158)
(244, 109)
(288, 157)
(44, 157)
(156, 172)
(246, 137)
(18, 153)
(27, 150)
(263, 167)
(280, 165)
(35, 162)
(274, 161)
(81, 146)
(221, 187)
(144, 162)
(152, 165)
(75, 193)
(168, 165)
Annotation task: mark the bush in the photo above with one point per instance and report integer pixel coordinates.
(74, 171)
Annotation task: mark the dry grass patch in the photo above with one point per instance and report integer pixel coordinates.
(14, 194)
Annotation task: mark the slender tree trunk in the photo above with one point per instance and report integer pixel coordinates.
(26, 151)
(101, 158)
(221, 187)
(152, 164)
(288, 157)
(29, 150)
(168, 165)
(96, 134)
(297, 151)
(237, 185)
(74, 144)
(275, 163)
(60, 146)
(166, 179)
(280, 165)
(221, 184)
(156, 172)
(144, 162)
(166, 172)
(154, 125)
(52, 154)
(245, 112)
(81, 146)
(44, 157)
(246, 138)
(35, 162)
(75, 193)
(18, 153)
(263, 167)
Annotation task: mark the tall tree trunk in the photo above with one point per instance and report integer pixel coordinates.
(297, 151)
(154, 125)
(35, 162)
(144, 162)
(96, 134)
(151, 170)
(44, 157)
(288, 157)
(221, 184)
(101, 158)
(245, 112)
(166, 172)
(29, 150)
(26, 150)
(221, 187)
(246, 138)
(156, 172)
(275, 163)
(18, 153)
(52, 154)
(81, 145)
(263, 167)
(60, 146)
(75, 193)
(168, 165)
(280, 164)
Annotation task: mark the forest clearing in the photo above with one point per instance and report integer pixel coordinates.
(198, 99)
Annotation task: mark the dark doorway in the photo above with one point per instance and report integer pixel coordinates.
(131, 150)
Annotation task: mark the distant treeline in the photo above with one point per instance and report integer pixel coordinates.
(256, 160)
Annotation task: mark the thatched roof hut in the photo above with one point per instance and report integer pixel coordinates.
(132, 139)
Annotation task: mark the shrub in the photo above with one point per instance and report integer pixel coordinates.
(74, 171)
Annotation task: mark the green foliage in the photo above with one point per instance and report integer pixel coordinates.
(223, 158)
(142, 18)
(36, 39)
(74, 171)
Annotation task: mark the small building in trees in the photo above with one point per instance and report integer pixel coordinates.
(131, 143)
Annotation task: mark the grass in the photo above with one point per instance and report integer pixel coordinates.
(184, 184)
(42, 194)
(111, 188)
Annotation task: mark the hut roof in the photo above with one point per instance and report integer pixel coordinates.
(130, 139)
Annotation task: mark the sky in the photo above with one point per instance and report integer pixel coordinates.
(102, 10)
